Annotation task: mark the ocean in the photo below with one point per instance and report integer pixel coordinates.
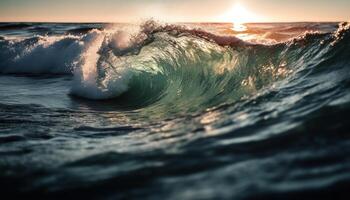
(175, 111)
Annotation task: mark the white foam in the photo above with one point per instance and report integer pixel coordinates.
(88, 82)
(42, 54)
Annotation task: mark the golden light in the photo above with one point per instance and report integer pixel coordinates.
(239, 15)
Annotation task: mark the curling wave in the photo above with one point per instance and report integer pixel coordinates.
(171, 66)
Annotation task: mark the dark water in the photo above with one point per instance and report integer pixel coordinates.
(195, 111)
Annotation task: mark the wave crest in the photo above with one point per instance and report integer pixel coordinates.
(167, 65)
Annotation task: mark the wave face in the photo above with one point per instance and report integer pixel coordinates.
(164, 111)
(166, 65)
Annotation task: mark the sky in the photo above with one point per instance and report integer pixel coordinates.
(174, 10)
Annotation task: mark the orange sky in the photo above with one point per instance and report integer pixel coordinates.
(172, 10)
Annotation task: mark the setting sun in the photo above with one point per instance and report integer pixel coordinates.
(239, 15)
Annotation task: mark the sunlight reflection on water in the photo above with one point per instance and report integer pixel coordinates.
(239, 27)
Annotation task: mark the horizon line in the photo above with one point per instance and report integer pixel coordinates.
(212, 22)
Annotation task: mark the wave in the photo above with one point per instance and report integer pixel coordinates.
(169, 65)
(40, 54)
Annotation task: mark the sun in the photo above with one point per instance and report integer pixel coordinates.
(238, 15)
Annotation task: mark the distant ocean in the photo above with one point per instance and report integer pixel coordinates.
(175, 111)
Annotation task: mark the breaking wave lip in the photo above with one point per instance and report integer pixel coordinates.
(164, 63)
(121, 64)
